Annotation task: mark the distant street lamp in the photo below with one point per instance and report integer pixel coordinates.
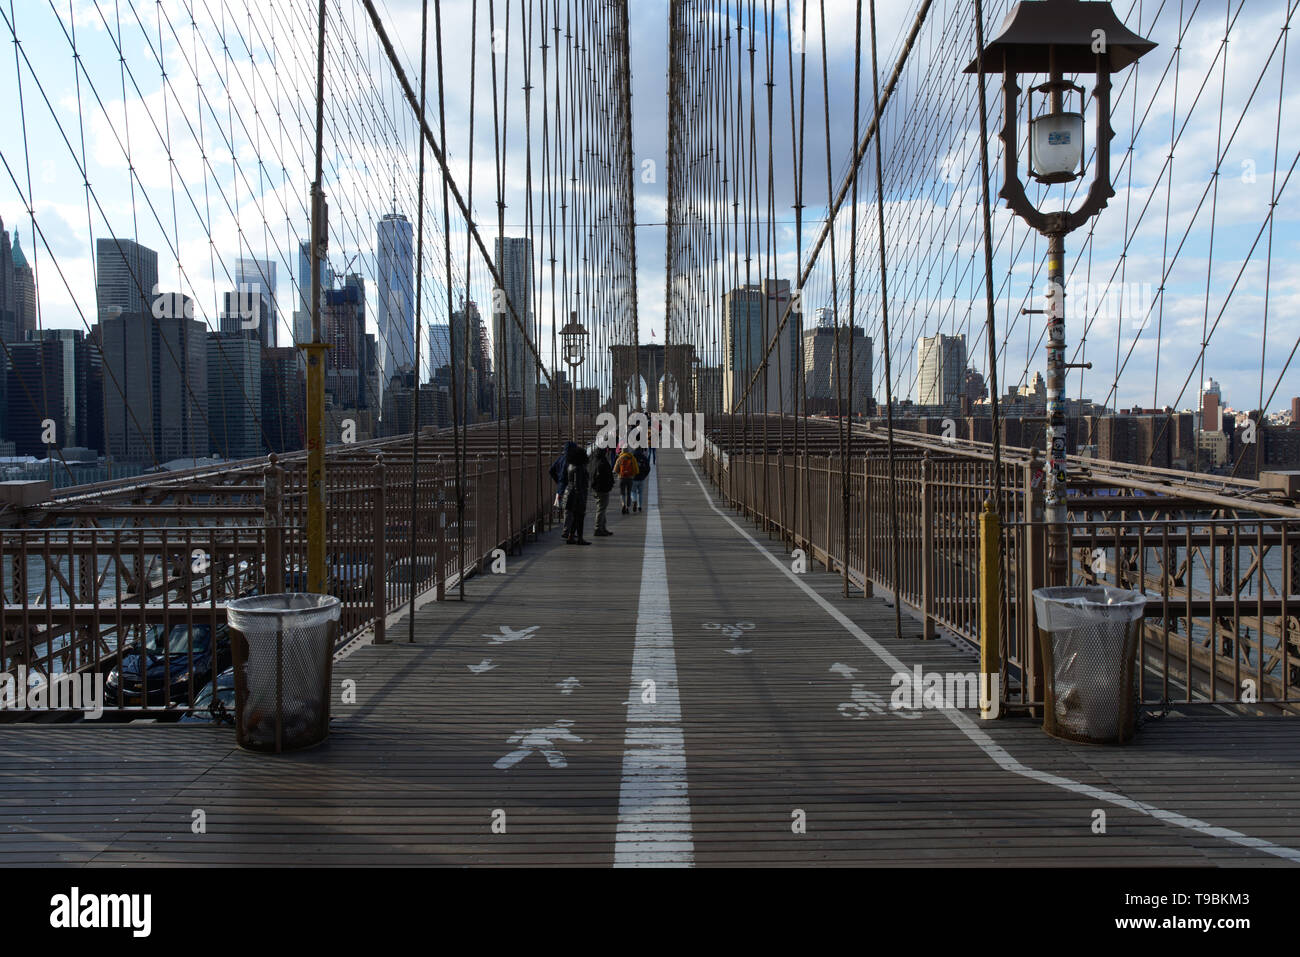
(574, 339)
(1055, 37)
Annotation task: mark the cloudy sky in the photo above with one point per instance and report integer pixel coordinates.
(197, 139)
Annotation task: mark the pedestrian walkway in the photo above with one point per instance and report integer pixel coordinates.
(673, 695)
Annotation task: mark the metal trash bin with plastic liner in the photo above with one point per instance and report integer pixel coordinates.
(284, 655)
(1088, 639)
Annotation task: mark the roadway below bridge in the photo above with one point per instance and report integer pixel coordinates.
(677, 694)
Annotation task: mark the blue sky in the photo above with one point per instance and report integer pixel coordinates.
(250, 200)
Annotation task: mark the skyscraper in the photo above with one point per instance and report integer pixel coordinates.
(235, 394)
(256, 277)
(302, 315)
(941, 365)
(156, 394)
(343, 326)
(824, 391)
(750, 315)
(439, 344)
(42, 391)
(467, 346)
(396, 296)
(126, 277)
(1211, 400)
(8, 325)
(24, 293)
(513, 360)
(8, 331)
(244, 313)
(284, 399)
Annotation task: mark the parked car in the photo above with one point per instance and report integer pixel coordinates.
(215, 704)
(168, 665)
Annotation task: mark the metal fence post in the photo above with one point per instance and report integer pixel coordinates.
(990, 605)
(868, 589)
(830, 562)
(1035, 569)
(379, 566)
(273, 526)
(927, 548)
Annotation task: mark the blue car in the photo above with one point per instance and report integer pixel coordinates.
(168, 666)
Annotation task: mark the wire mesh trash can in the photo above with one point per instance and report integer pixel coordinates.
(1088, 638)
(283, 647)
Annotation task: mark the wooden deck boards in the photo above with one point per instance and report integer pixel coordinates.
(791, 725)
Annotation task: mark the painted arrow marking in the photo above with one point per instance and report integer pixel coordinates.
(568, 684)
(848, 671)
(482, 666)
(509, 634)
(733, 650)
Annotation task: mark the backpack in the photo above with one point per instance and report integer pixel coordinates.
(643, 463)
(627, 466)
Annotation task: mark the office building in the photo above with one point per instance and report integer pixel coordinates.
(439, 344)
(1211, 406)
(395, 309)
(302, 315)
(827, 385)
(42, 390)
(941, 370)
(245, 312)
(126, 275)
(8, 324)
(255, 281)
(235, 394)
(513, 359)
(343, 325)
(284, 400)
(473, 363)
(24, 293)
(156, 386)
(750, 315)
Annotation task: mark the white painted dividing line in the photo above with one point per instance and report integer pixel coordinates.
(981, 739)
(654, 808)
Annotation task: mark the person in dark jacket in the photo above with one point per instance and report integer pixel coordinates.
(602, 483)
(574, 499)
(638, 484)
(559, 472)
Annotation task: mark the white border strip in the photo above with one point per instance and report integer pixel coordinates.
(986, 744)
(654, 808)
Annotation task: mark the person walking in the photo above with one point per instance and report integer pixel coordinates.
(602, 482)
(638, 484)
(625, 467)
(575, 496)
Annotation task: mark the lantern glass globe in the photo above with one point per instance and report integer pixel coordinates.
(1058, 146)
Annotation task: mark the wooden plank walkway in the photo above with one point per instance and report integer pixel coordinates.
(515, 706)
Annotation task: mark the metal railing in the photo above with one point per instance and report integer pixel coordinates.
(1223, 590)
(108, 569)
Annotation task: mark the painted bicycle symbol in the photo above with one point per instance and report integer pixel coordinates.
(731, 631)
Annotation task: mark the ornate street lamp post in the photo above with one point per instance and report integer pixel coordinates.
(574, 339)
(1056, 37)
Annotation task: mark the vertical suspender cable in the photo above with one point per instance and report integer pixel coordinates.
(419, 291)
(884, 318)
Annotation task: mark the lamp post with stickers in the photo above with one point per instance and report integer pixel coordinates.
(1054, 38)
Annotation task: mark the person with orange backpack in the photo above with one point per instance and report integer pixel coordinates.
(626, 468)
